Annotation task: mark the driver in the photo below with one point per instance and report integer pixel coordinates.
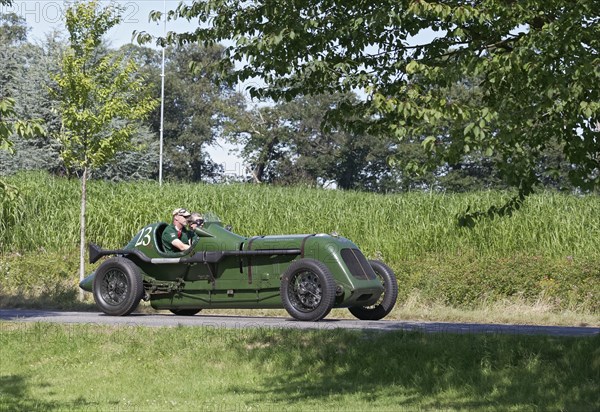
(196, 220)
(176, 237)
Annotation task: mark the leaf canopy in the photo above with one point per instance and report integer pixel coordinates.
(95, 89)
(536, 62)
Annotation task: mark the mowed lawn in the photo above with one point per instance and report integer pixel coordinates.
(93, 367)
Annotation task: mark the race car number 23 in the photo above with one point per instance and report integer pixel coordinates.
(144, 239)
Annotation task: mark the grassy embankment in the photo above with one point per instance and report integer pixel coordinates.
(540, 265)
(97, 367)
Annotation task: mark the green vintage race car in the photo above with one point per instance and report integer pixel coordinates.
(308, 275)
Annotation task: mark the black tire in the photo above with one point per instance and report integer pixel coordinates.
(184, 312)
(307, 290)
(386, 302)
(118, 286)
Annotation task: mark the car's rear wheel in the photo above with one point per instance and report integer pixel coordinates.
(386, 301)
(307, 290)
(184, 312)
(118, 286)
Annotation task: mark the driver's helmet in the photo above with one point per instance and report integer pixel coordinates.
(196, 219)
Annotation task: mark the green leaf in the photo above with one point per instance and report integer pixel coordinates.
(429, 143)
(412, 67)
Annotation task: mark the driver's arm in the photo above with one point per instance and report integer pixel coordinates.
(177, 243)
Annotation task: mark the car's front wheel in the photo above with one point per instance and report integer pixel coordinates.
(118, 286)
(386, 301)
(307, 290)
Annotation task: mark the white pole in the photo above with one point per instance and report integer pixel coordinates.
(162, 97)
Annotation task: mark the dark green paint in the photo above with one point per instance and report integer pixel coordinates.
(239, 281)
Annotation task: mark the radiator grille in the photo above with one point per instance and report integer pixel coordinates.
(358, 264)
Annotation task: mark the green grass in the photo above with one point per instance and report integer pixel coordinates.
(398, 227)
(91, 367)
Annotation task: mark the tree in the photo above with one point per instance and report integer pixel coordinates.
(264, 139)
(9, 126)
(95, 90)
(537, 63)
(13, 32)
(287, 143)
(35, 64)
(12, 29)
(353, 159)
(138, 162)
(194, 107)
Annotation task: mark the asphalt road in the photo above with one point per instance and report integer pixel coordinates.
(240, 322)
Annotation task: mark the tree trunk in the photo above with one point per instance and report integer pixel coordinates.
(82, 233)
(265, 155)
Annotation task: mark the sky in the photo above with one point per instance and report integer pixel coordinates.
(43, 16)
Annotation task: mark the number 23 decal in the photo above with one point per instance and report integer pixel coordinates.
(144, 238)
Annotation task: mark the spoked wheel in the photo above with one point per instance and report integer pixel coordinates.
(307, 290)
(118, 286)
(184, 312)
(386, 301)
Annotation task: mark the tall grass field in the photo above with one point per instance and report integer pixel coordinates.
(546, 253)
